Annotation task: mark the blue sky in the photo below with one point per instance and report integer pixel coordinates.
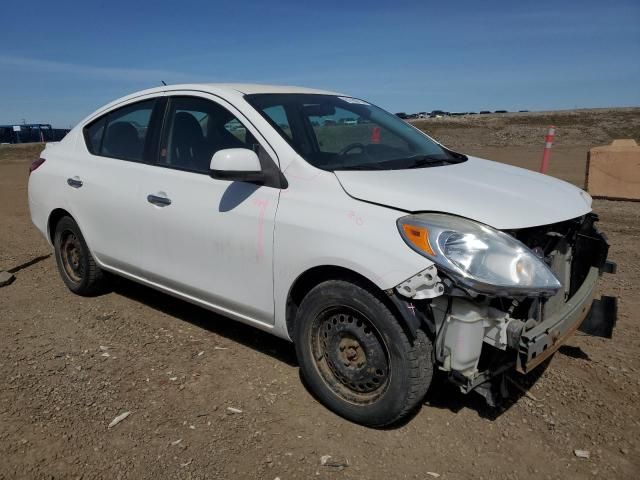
(60, 60)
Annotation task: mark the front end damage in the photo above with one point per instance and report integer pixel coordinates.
(478, 338)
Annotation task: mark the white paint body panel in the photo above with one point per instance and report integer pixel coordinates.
(236, 248)
(235, 159)
(498, 195)
(214, 242)
(319, 224)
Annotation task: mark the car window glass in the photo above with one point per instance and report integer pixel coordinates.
(93, 135)
(333, 132)
(278, 114)
(342, 128)
(195, 129)
(126, 131)
(236, 129)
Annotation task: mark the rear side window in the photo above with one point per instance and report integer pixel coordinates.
(121, 133)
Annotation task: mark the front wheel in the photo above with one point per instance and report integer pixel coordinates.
(356, 357)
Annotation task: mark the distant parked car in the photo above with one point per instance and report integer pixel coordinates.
(438, 113)
(402, 115)
(485, 112)
(382, 254)
(500, 111)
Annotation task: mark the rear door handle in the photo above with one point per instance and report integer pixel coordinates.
(74, 182)
(158, 200)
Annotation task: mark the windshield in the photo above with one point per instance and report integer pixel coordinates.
(344, 133)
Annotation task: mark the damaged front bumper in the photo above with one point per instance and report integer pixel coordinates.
(539, 343)
(478, 338)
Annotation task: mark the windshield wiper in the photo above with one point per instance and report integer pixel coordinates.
(424, 160)
(416, 161)
(362, 166)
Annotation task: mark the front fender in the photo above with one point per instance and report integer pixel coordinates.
(318, 224)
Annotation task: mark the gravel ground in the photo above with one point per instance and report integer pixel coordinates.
(209, 398)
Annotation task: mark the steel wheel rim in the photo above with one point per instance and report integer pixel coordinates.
(72, 256)
(350, 355)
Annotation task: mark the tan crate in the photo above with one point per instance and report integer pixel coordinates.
(613, 171)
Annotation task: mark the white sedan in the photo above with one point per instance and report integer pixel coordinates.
(327, 221)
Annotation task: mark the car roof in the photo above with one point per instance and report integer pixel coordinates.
(244, 88)
(249, 88)
(228, 90)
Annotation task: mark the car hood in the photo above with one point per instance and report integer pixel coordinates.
(493, 193)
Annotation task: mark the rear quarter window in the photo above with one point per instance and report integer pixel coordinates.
(121, 133)
(93, 135)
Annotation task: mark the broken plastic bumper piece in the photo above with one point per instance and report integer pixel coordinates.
(597, 317)
(426, 284)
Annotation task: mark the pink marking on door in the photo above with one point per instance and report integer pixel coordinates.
(262, 203)
(355, 218)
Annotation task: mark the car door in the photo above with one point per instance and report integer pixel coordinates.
(211, 240)
(103, 182)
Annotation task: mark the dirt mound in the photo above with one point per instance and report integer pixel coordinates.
(574, 128)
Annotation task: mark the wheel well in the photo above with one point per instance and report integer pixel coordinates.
(54, 218)
(314, 276)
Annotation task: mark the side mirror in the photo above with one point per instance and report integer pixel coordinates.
(236, 164)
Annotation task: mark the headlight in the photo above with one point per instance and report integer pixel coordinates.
(478, 257)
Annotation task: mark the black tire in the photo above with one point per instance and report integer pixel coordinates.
(76, 265)
(339, 316)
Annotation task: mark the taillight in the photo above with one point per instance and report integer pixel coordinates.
(35, 164)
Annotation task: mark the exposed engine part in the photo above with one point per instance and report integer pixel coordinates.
(559, 260)
(467, 326)
(514, 331)
(426, 284)
(499, 327)
(464, 336)
(479, 338)
(454, 291)
(495, 331)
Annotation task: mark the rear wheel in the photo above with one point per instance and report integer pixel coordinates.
(76, 265)
(357, 358)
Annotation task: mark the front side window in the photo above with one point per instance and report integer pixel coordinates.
(344, 133)
(195, 129)
(121, 133)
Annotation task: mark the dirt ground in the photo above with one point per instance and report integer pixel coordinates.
(70, 365)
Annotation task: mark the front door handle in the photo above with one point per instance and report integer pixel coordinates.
(74, 182)
(158, 200)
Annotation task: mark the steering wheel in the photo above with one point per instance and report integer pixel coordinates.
(351, 146)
